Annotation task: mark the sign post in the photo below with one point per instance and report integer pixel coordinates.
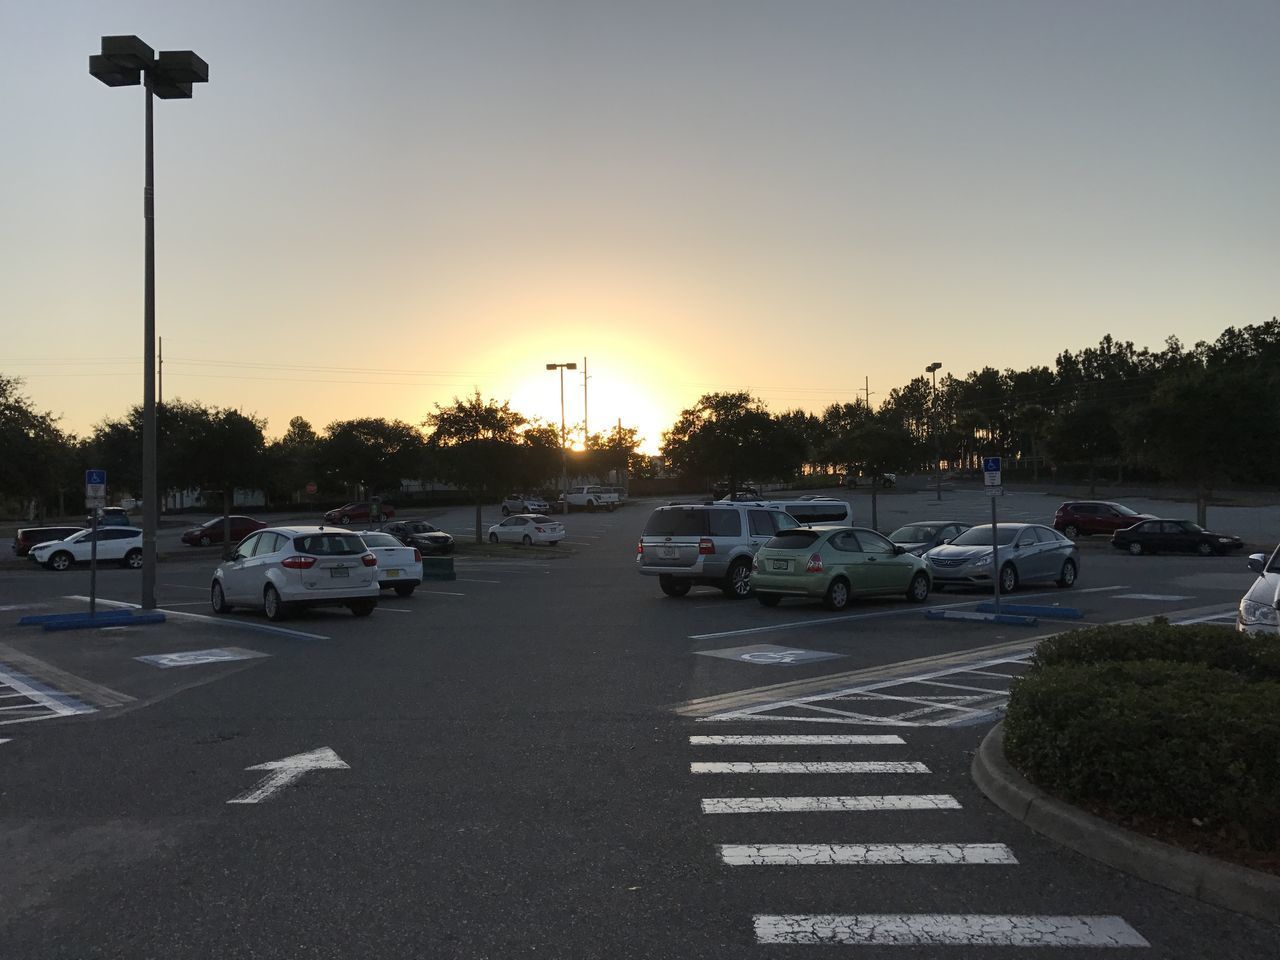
(991, 481)
(95, 498)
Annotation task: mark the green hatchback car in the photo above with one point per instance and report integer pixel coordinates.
(836, 564)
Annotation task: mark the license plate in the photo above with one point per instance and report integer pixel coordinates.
(669, 553)
(338, 572)
(778, 565)
(392, 574)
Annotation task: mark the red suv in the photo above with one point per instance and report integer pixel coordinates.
(1076, 517)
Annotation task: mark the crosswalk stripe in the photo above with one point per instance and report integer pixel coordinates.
(925, 801)
(863, 854)
(797, 740)
(813, 766)
(975, 929)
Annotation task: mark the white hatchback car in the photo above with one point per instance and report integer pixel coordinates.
(281, 569)
(121, 545)
(527, 528)
(399, 567)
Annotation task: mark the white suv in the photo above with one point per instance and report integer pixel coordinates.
(120, 544)
(281, 569)
(707, 543)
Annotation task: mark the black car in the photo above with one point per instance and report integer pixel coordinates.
(926, 534)
(1169, 536)
(28, 537)
(418, 533)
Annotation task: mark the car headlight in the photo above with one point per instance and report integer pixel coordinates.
(983, 561)
(1226, 539)
(1259, 613)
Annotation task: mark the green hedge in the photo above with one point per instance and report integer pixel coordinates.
(1253, 655)
(1167, 740)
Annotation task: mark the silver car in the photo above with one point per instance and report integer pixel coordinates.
(1258, 608)
(524, 503)
(1028, 552)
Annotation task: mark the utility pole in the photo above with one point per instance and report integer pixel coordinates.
(866, 388)
(585, 378)
(564, 456)
(933, 369)
(160, 376)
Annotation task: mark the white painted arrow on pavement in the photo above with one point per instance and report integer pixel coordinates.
(284, 772)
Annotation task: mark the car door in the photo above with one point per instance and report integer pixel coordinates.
(1026, 556)
(511, 530)
(235, 578)
(887, 570)
(848, 559)
(1178, 537)
(79, 549)
(114, 544)
(761, 525)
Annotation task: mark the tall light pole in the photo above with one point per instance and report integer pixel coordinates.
(564, 433)
(126, 62)
(933, 368)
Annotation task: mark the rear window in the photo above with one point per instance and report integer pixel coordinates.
(793, 540)
(814, 512)
(677, 523)
(329, 544)
(539, 518)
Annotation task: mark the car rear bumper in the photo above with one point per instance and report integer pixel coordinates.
(793, 585)
(703, 570)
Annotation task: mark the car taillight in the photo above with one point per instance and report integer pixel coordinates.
(706, 546)
(814, 565)
(639, 548)
(540, 530)
(369, 560)
(298, 563)
(417, 555)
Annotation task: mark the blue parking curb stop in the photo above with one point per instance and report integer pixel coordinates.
(1009, 618)
(1033, 610)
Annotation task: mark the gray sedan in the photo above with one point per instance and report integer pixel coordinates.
(1259, 610)
(1028, 552)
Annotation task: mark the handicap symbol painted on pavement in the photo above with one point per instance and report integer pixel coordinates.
(768, 654)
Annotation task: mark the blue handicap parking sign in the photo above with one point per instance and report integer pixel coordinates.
(95, 477)
(991, 464)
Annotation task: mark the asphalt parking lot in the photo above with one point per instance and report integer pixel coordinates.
(502, 765)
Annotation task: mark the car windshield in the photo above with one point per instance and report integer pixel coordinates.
(1190, 527)
(913, 533)
(981, 536)
(1124, 511)
(329, 544)
(379, 540)
(539, 518)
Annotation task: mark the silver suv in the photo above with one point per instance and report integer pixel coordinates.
(711, 544)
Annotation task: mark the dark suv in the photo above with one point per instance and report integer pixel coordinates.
(28, 537)
(1076, 517)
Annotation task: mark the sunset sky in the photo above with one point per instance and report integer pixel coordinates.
(372, 207)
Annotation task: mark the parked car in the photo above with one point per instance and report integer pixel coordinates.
(524, 503)
(211, 531)
(360, 511)
(115, 544)
(587, 498)
(111, 517)
(709, 543)
(1028, 552)
(885, 480)
(527, 528)
(427, 538)
(924, 535)
(836, 564)
(399, 567)
(282, 569)
(1259, 610)
(27, 537)
(741, 495)
(1168, 536)
(618, 492)
(1077, 517)
(810, 511)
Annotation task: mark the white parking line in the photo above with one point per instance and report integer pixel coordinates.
(921, 801)
(442, 593)
(951, 929)
(863, 854)
(469, 580)
(813, 766)
(796, 740)
(226, 621)
(382, 609)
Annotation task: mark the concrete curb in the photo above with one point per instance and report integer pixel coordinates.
(1191, 874)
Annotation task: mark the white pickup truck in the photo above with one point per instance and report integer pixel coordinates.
(588, 498)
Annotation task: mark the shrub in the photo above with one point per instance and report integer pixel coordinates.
(1253, 655)
(1167, 740)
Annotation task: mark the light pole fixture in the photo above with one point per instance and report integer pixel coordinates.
(169, 74)
(933, 368)
(564, 433)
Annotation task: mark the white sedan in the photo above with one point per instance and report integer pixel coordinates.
(527, 528)
(115, 544)
(399, 567)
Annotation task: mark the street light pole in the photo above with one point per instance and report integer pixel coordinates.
(126, 61)
(564, 433)
(933, 368)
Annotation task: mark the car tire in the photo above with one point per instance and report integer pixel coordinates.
(133, 559)
(1204, 549)
(1071, 531)
(1008, 578)
(768, 599)
(737, 582)
(362, 608)
(837, 595)
(591, 506)
(344, 520)
(405, 589)
(272, 605)
(673, 587)
(506, 511)
(1135, 548)
(610, 508)
(1069, 572)
(218, 600)
(918, 589)
(493, 538)
(60, 561)
(204, 540)
(527, 540)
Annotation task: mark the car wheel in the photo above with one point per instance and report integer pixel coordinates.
(133, 559)
(344, 520)
(1008, 578)
(1135, 548)
(493, 538)
(1068, 576)
(1204, 549)
(768, 599)
(918, 589)
(405, 589)
(610, 508)
(1071, 531)
(837, 595)
(217, 599)
(272, 604)
(737, 584)
(362, 608)
(506, 511)
(204, 540)
(673, 587)
(60, 561)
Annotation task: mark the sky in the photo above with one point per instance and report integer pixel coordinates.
(375, 207)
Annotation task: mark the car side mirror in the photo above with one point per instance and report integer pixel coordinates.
(899, 549)
(946, 540)
(1257, 562)
(228, 555)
